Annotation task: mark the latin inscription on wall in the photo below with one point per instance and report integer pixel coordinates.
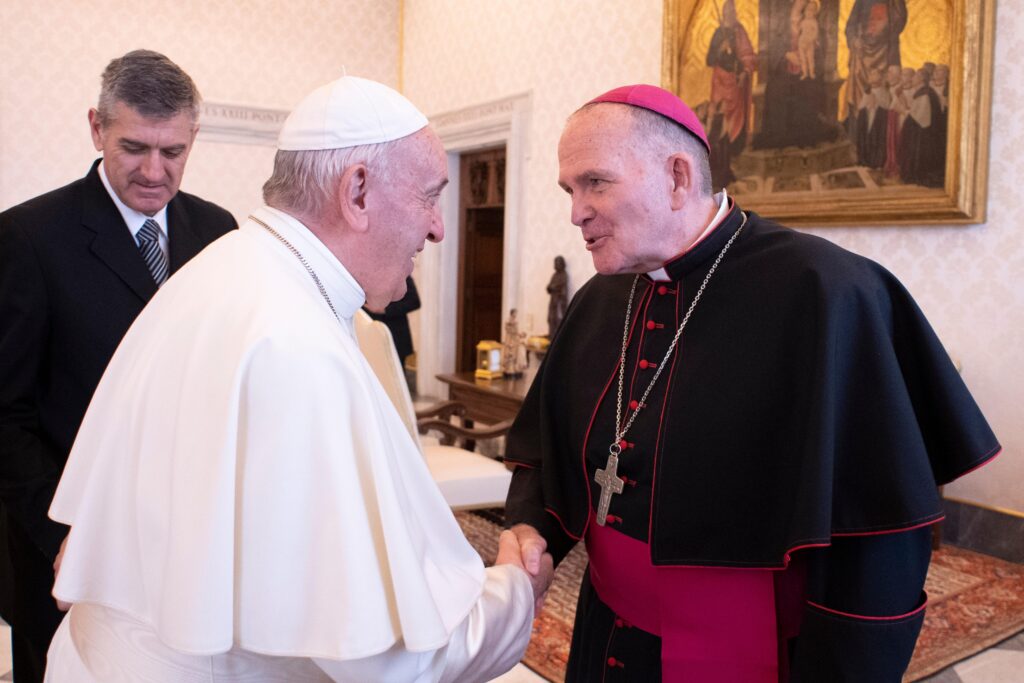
(240, 124)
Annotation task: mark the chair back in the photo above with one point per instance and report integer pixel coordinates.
(467, 480)
(379, 349)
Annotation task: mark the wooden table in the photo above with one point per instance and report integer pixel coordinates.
(488, 401)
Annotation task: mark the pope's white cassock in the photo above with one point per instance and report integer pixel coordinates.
(246, 504)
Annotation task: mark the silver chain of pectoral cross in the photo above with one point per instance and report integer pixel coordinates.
(608, 477)
(302, 260)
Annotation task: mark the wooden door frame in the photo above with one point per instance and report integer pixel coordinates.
(462, 228)
(492, 124)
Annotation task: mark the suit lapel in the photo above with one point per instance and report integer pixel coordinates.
(113, 243)
(182, 237)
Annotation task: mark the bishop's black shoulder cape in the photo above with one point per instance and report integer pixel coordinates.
(808, 398)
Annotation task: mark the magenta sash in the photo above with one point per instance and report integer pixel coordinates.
(716, 625)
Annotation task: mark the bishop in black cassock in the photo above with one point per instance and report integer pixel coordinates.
(779, 478)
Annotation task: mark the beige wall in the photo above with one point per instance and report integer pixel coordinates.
(458, 53)
(261, 52)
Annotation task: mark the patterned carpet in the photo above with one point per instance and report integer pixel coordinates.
(974, 602)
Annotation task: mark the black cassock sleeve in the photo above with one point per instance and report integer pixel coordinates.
(539, 438)
(865, 608)
(525, 505)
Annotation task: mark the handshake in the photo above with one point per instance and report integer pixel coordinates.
(523, 547)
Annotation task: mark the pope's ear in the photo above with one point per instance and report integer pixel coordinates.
(352, 197)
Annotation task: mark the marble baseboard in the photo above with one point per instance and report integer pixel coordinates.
(984, 530)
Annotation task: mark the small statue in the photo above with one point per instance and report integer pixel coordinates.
(558, 288)
(514, 341)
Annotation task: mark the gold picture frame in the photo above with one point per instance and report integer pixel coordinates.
(769, 73)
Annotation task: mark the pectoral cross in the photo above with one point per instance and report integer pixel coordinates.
(609, 482)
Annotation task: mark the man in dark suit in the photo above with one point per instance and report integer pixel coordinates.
(77, 265)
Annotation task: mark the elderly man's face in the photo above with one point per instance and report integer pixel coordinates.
(144, 158)
(620, 191)
(408, 216)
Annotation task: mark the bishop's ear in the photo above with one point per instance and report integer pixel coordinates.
(682, 170)
(352, 197)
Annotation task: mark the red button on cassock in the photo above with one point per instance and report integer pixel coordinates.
(663, 290)
(612, 661)
(619, 623)
(643, 364)
(650, 324)
(633, 405)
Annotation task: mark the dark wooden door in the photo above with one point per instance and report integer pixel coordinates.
(481, 251)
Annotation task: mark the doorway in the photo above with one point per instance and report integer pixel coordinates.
(481, 251)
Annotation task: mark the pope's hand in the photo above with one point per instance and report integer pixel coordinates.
(524, 547)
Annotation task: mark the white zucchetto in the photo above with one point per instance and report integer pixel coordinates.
(348, 112)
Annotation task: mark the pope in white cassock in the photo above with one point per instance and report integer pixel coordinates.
(244, 501)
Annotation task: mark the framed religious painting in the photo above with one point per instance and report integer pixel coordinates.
(840, 112)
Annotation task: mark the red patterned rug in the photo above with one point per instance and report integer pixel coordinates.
(974, 601)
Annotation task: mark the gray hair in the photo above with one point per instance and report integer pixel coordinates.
(149, 83)
(305, 182)
(662, 135)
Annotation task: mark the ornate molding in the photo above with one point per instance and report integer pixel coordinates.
(497, 109)
(240, 124)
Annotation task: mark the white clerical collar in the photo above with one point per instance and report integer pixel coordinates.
(132, 218)
(345, 293)
(723, 210)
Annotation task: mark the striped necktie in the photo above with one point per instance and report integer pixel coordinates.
(148, 238)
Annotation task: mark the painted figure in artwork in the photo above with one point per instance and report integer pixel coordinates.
(872, 122)
(922, 140)
(793, 52)
(733, 62)
(807, 36)
(902, 94)
(873, 37)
